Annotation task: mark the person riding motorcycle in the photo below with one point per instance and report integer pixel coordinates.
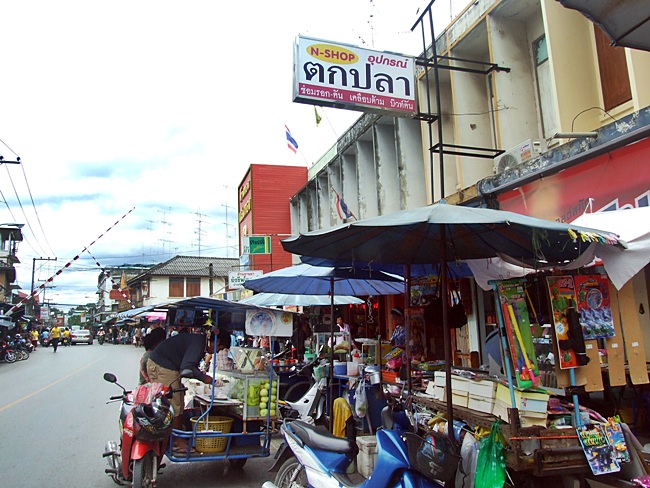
(66, 337)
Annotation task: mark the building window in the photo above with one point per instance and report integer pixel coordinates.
(612, 65)
(176, 287)
(544, 86)
(193, 287)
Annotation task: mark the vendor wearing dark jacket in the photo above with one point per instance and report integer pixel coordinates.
(173, 355)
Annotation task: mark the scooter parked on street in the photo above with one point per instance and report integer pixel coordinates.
(7, 354)
(311, 456)
(311, 406)
(146, 418)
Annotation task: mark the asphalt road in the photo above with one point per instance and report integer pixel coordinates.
(54, 423)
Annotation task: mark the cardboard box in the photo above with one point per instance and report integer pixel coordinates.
(525, 401)
(439, 378)
(460, 384)
(527, 419)
(480, 404)
(460, 399)
(483, 388)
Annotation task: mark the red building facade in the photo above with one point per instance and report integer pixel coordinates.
(264, 210)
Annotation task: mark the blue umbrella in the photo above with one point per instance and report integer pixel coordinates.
(321, 280)
(281, 299)
(304, 279)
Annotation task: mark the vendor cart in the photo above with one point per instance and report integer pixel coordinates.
(235, 421)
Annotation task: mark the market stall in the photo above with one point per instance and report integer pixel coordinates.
(522, 402)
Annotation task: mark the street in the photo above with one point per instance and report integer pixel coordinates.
(55, 422)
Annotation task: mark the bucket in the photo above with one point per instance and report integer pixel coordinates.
(340, 367)
(353, 368)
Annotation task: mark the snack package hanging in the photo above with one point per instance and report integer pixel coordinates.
(490, 465)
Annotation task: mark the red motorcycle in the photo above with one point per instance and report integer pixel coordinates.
(146, 418)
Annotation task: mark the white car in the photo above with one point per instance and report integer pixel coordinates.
(81, 336)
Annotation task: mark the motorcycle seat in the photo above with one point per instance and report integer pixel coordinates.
(316, 438)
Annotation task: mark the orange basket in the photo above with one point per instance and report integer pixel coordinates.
(390, 376)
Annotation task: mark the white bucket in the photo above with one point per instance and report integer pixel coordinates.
(353, 368)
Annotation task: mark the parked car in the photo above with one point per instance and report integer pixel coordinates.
(81, 336)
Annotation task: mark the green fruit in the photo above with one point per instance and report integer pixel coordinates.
(264, 398)
(264, 392)
(272, 405)
(264, 412)
(272, 413)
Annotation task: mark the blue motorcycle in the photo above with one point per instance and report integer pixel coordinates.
(312, 457)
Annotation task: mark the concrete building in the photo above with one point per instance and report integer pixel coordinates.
(181, 276)
(553, 120)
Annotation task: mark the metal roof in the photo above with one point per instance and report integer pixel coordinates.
(192, 266)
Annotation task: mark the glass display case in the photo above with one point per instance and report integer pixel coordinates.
(257, 392)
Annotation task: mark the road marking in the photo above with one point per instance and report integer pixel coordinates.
(49, 386)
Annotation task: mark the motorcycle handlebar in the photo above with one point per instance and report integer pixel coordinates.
(117, 397)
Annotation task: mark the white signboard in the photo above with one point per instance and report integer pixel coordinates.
(236, 279)
(344, 76)
(269, 323)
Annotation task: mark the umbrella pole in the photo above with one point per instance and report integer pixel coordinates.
(446, 332)
(504, 344)
(407, 325)
(330, 402)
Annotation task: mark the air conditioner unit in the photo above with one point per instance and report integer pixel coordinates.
(519, 154)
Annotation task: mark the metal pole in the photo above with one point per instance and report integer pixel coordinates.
(330, 402)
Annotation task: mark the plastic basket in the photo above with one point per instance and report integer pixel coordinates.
(433, 457)
(213, 424)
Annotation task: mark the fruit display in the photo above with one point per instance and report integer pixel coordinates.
(268, 398)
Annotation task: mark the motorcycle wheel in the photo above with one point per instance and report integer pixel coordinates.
(143, 471)
(292, 475)
(10, 357)
(22, 355)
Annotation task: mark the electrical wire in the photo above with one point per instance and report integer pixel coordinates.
(38, 218)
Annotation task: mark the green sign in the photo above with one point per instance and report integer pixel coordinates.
(257, 245)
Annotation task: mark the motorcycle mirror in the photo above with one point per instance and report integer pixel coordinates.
(110, 377)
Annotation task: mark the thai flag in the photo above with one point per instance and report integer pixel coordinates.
(342, 209)
(291, 142)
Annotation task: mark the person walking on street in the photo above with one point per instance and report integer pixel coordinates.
(55, 337)
(33, 336)
(138, 336)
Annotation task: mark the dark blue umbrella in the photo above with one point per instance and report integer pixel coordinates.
(321, 280)
(441, 233)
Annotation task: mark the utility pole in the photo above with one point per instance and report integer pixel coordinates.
(227, 207)
(32, 299)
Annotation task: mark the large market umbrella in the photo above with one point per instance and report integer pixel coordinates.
(626, 22)
(441, 233)
(321, 280)
(332, 281)
(282, 299)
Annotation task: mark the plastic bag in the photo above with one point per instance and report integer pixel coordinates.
(490, 465)
(361, 401)
(467, 467)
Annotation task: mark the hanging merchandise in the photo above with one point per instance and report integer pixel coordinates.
(566, 320)
(594, 306)
(519, 336)
(491, 465)
(599, 452)
(467, 467)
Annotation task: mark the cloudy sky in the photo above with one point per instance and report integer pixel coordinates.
(159, 107)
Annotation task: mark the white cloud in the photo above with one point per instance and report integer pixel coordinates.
(161, 106)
